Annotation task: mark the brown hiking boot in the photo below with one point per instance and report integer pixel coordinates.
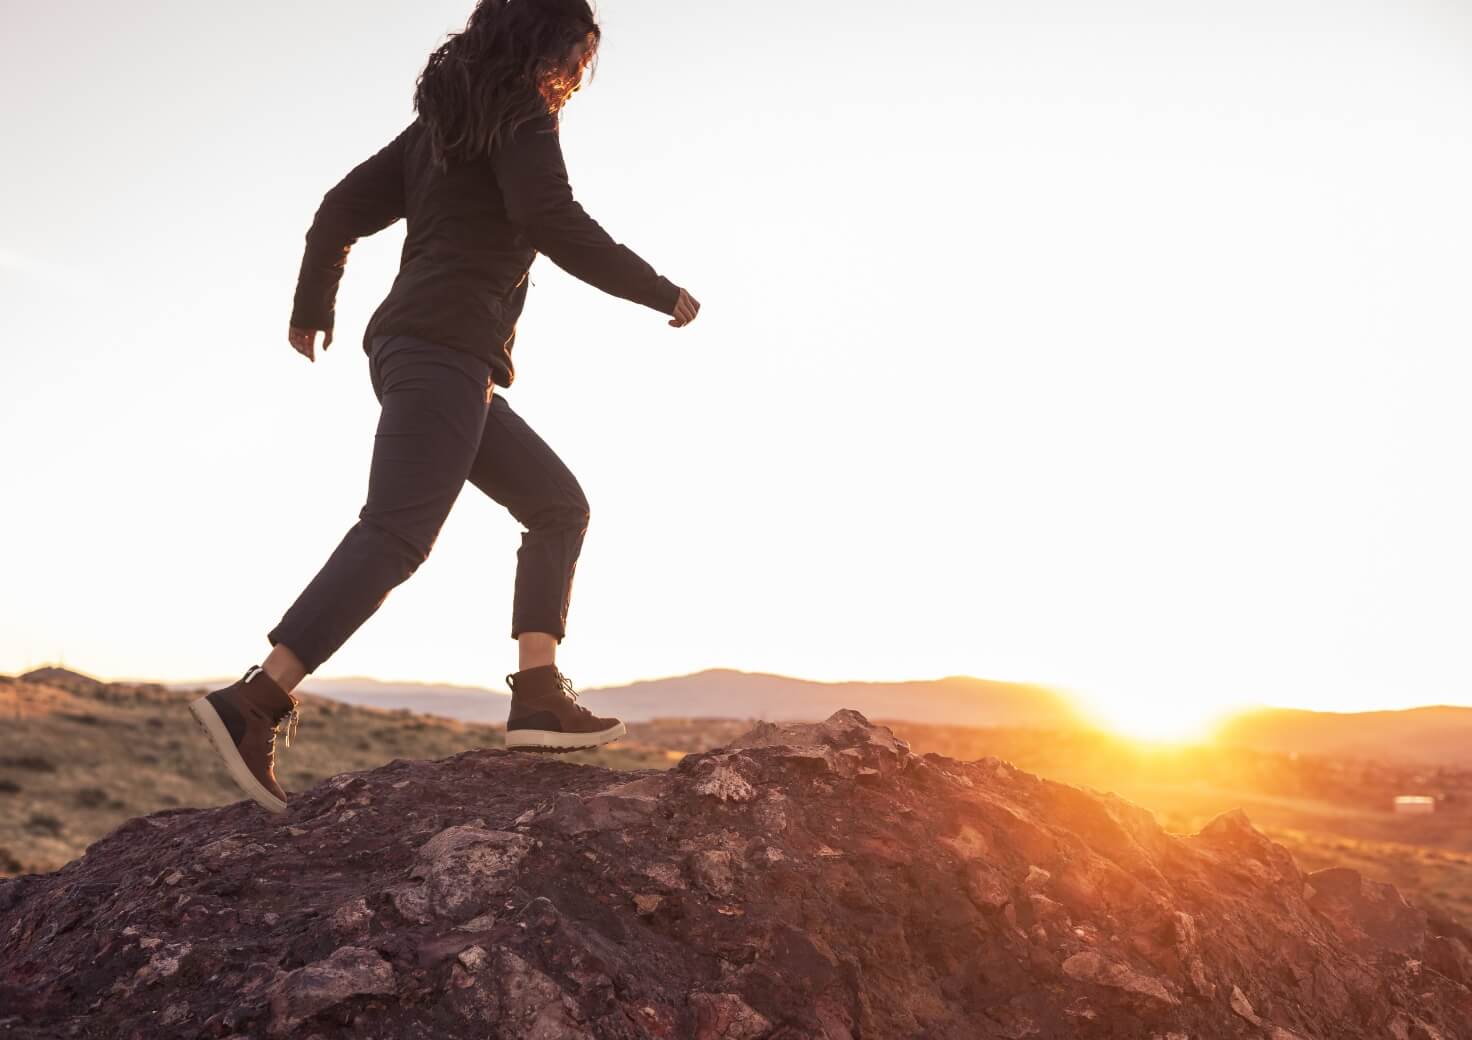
(545, 714)
(242, 721)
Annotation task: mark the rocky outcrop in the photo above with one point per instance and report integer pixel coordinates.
(806, 881)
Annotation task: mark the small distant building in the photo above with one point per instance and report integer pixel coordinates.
(1415, 804)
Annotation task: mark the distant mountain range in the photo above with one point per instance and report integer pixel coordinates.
(1438, 734)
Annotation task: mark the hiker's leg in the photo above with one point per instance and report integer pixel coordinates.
(535, 649)
(283, 665)
(516, 468)
(434, 402)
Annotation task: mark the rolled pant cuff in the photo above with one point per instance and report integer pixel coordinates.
(311, 657)
(556, 631)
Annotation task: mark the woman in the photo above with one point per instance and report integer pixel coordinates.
(479, 178)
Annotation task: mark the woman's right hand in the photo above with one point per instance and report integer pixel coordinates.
(304, 340)
(686, 307)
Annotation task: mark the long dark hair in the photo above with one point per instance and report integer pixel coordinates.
(509, 66)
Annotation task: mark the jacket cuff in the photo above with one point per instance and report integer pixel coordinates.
(666, 296)
(307, 321)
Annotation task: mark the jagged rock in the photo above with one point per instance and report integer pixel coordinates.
(1449, 956)
(804, 882)
(1090, 967)
(725, 1016)
(724, 782)
(465, 868)
(712, 871)
(352, 918)
(532, 1004)
(845, 741)
(1242, 1006)
(1368, 912)
(349, 972)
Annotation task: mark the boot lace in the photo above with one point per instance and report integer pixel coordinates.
(566, 686)
(286, 726)
(292, 718)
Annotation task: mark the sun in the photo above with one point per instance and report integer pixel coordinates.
(1152, 717)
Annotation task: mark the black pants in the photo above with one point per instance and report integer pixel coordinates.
(442, 424)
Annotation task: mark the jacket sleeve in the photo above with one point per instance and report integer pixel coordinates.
(368, 199)
(532, 176)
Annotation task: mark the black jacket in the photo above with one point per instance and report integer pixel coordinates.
(473, 232)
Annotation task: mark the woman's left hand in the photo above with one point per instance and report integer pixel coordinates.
(302, 340)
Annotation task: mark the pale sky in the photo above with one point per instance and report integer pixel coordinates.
(1116, 346)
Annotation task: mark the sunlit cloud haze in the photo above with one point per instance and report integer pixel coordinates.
(1116, 346)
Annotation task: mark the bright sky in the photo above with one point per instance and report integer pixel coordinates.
(1122, 347)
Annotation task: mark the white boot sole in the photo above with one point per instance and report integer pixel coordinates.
(214, 726)
(551, 740)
